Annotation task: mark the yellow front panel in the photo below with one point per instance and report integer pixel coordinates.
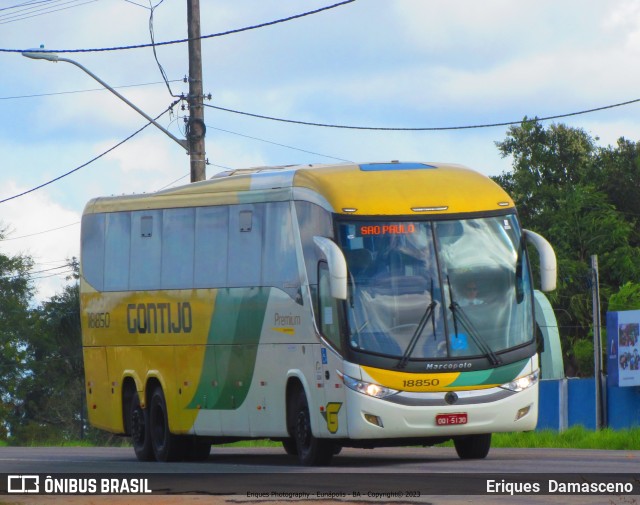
(398, 192)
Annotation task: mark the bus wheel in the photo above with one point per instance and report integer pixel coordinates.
(473, 446)
(311, 450)
(196, 449)
(166, 446)
(140, 430)
(289, 445)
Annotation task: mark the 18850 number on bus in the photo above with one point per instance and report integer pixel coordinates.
(418, 383)
(99, 319)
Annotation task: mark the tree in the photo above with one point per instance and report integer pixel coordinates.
(617, 174)
(627, 298)
(15, 295)
(563, 185)
(546, 162)
(53, 394)
(48, 401)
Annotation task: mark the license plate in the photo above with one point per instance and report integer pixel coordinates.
(451, 419)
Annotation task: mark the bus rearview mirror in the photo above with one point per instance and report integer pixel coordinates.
(548, 266)
(337, 266)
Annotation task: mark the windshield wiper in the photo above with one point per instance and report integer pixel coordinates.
(429, 313)
(460, 315)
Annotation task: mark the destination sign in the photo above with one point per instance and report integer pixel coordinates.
(388, 229)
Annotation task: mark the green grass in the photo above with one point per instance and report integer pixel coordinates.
(576, 437)
(50, 442)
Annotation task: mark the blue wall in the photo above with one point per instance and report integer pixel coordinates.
(582, 403)
(624, 407)
(570, 402)
(549, 416)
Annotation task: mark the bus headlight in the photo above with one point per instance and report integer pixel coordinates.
(522, 383)
(367, 388)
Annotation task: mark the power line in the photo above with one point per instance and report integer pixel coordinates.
(173, 182)
(87, 163)
(181, 41)
(84, 90)
(13, 17)
(29, 7)
(179, 178)
(429, 128)
(278, 144)
(305, 123)
(260, 140)
(40, 232)
(48, 269)
(139, 5)
(152, 36)
(17, 6)
(67, 268)
(66, 272)
(52, 262)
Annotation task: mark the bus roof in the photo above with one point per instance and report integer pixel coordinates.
(390, 188)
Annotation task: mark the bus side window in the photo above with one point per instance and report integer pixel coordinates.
(92, 247)
(245, 245)
(327, 312)
(279, 261)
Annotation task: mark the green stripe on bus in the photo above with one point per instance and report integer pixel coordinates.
(499, 375)
(232, 346)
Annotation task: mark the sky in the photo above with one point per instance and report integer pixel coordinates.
(375, 63)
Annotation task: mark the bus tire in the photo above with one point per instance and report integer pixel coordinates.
(473, 446)
(289, 445)
(166, 446)
(311, 451)
(140, 437)
(196, 449)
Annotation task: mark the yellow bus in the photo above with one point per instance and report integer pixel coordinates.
(322, 306)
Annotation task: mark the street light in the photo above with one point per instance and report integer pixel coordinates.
(38, 54)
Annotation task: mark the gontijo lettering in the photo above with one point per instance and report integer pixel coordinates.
(159, 318)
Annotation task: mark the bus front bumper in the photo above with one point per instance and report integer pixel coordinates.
(429, 415)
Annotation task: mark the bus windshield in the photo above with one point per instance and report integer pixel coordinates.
(448, 289)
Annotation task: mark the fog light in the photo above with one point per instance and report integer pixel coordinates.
(375, 420)
(523, 412)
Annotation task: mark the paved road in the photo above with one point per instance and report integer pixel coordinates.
(274, 460)
(436, 473)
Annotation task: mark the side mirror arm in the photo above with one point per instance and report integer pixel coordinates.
(548, 265)
(337, 266)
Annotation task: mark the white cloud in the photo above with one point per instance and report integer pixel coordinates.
(380, 62)
(623, 22)
(25, 219)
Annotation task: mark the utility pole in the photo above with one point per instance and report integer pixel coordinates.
(597, 343)
(196, 128)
